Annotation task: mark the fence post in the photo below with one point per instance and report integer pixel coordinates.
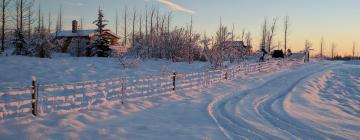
(259, 68)
(226, 75)
(122, 91)
(246, 68)
(207, 82)
(34, 97)
(174, 81)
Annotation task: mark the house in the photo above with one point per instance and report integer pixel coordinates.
(239, 45)
(235, 44)
(88, 36)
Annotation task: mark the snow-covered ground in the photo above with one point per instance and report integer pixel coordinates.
(64, 69)
(314, 101)
(318, 100)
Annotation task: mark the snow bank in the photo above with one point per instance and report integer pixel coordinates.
(329, 102)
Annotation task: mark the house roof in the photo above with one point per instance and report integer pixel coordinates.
(82, 33)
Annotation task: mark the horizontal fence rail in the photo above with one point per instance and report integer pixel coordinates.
(18, 101)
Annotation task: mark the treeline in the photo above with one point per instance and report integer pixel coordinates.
(150, 34)
(154, 36)
(345, 58)
(25, 29)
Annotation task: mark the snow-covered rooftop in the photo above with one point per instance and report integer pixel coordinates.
(69, 33)
(83, 33)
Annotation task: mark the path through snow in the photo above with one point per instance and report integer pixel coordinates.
(297, 104)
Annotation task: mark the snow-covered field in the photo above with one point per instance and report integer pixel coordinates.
(64, 69)
(318, 100)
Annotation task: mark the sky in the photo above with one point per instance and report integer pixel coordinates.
(338, 21)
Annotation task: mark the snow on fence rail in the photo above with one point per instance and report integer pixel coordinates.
(22, 100)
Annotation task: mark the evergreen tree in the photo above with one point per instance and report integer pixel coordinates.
(22, 11)
(20, 44)
(101, 46)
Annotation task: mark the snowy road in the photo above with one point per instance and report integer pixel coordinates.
(312, 101)
(273, 111)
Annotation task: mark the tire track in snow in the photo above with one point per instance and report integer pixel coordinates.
(281, 120)
(259, 114)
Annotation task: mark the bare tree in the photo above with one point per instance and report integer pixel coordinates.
(190, 38)
(243, 35)
(147, 33)
(116, 22)
(248, 39)
(308, 46)
(59, 21)
(125, 26)
(267, 35)
(156, 37)
(49, 22)
(17, 5)
(271, 34)
(157, 22)
(162, 37)
(57, 26)
(205, 41)
(21, 14)
(81, 23)
(168, 37)
(30, 21)
(140, 27)
(233, 33)
(22, 11)
(146, 23)
(232, 52)
(42, 23)
(151, 38)
(353, 50)
(286, 33)
(264, 33)
(168, 23)
(322, 47)
(333, 46)
(133, 28)
(39, 19)
(4, 10)
(217, 56)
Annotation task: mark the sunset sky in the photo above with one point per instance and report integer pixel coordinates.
(337, 20)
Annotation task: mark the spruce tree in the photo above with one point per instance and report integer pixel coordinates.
(101, 46)
(20, 44)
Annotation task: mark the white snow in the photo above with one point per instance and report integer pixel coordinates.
(318, 100)
(70, 33)
(64, 69)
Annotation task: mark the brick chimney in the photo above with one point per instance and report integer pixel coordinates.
(74, 26)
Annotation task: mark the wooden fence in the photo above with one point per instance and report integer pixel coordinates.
(24, 100)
